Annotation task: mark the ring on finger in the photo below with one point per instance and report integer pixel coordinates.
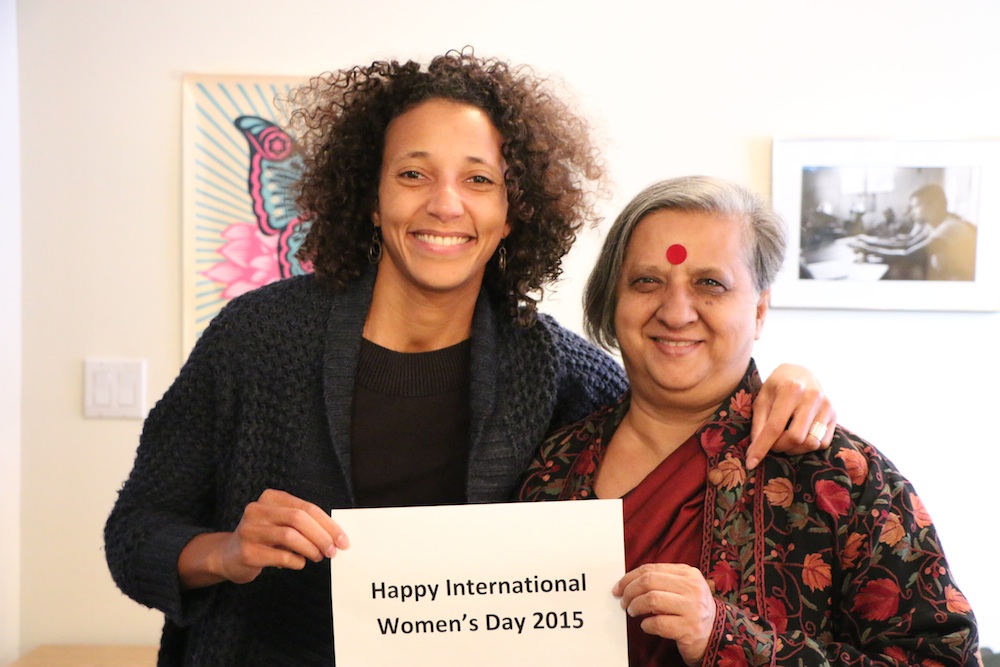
(818, 430)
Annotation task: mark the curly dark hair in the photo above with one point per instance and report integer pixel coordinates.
(340, 121)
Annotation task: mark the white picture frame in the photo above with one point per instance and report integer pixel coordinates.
(856, 239)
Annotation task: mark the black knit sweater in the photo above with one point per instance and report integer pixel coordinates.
(269, 386)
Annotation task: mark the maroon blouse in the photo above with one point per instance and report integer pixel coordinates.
(663, 516)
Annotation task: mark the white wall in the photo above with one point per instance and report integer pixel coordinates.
(10, 342)
(676, 87)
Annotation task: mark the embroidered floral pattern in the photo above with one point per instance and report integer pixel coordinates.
(741, 403)
(779, 492)
(814, 559)
(816, 572)
(857, 466)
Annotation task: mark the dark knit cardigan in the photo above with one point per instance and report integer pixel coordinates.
(264, 401)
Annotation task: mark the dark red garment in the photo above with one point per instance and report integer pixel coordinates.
(664, 519)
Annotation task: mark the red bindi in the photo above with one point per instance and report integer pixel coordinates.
(676, 253)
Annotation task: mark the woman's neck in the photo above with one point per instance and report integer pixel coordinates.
(670, 426)
(412, 320)
(644, 439)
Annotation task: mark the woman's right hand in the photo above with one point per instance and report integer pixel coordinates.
(675, 601)
(277, 530)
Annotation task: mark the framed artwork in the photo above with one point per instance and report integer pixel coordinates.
(241, 230)
(892, 225)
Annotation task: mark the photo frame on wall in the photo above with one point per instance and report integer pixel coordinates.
(888, 224)
(240, 226)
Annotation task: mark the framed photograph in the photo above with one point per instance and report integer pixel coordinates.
(240, 165)
(891, 225)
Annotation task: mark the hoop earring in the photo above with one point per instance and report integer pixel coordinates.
(502, 257)
(375, 248)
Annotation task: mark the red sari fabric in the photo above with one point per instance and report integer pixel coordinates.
(663, 524)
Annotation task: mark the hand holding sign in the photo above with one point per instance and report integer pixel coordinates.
(276, 530)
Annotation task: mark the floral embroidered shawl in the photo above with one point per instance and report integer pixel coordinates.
(817, 559)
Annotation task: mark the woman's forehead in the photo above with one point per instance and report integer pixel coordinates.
(687, 239)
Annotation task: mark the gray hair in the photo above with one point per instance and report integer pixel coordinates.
(763, 235)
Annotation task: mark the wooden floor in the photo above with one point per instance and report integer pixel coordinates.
(89, 656)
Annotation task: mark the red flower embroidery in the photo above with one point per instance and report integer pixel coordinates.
(741, 403)
(777, 614)
(816, 572)
(878, 600)
(856, 464)
(711, 441)
(584, 464)
(724, 577)
(897, 654)
(832, 498)
(732, 656)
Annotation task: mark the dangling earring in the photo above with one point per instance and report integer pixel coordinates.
(502, 257)
(375, 248)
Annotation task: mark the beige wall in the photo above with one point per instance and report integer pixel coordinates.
(10, 343)
(676, 87)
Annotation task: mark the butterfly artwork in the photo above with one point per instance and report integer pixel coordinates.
(275, 167)
(242, 230)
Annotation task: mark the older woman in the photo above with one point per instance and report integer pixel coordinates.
(825, 557)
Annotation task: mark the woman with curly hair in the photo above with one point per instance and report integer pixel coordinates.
(410, 368)
(548, 160)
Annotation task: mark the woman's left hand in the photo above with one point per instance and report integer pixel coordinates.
(677, 602)
(791, 414)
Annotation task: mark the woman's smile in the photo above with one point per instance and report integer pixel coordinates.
(442, 241)
(676, 346)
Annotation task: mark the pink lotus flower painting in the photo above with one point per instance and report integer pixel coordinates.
(249, 260)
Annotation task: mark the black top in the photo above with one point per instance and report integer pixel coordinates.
(410, 426)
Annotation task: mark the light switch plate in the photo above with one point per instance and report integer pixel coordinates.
(114, 388)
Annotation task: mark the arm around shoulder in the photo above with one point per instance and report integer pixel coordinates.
(589, 378)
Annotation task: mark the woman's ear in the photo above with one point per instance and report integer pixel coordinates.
(376, 219)
(763, 303)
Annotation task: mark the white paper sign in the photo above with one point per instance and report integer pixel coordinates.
(518, 584)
